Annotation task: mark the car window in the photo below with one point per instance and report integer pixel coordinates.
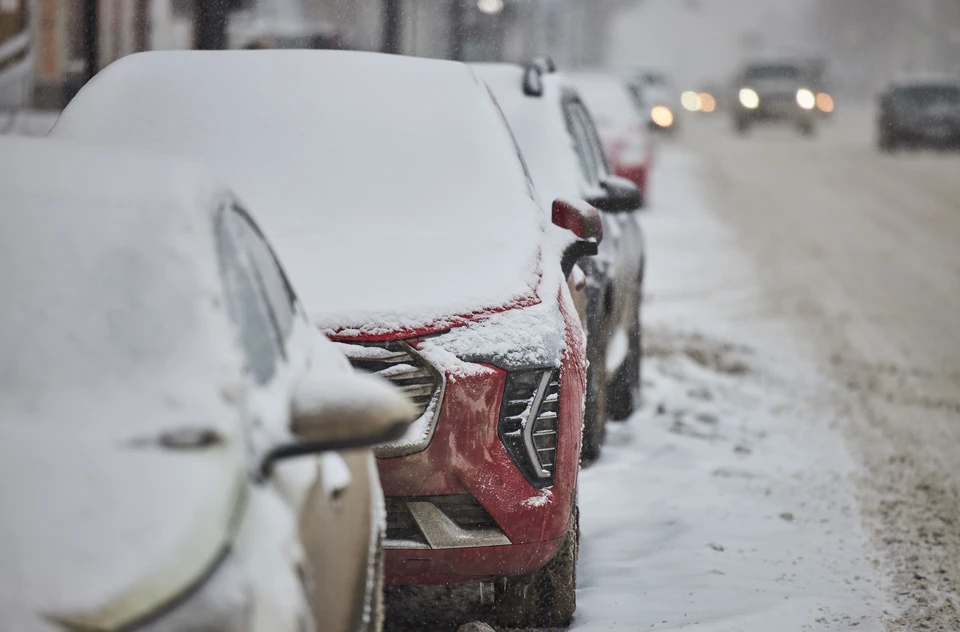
(581, 141)
(246, 303)
(927, 95)
(594, 143)
(772, 72)
(267, 271)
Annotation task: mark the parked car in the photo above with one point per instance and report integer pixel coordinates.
(562, 150)
(622, 130)
(163, 402)
(448, 280)
(775, 91)
(920, 112)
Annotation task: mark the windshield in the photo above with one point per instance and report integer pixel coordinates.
(927, 95)
(772, 72)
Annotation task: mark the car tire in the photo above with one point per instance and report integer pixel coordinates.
(548, 597)
(623, 392)
(742, 126)
(595, 411)
(807, 128)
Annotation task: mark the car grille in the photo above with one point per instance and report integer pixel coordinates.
(528, 423)
(399, 363)
(545, 425)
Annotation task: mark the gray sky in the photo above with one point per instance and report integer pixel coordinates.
(703, 40)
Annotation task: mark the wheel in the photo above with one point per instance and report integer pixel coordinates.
(548, 597)
(807, 128)
(595, 412)
(623, 392)
(742, 126)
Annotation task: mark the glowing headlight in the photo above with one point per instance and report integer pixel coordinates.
(690, 101)
(825, 102)
(806, 99)
(662, 116)
(749, 98)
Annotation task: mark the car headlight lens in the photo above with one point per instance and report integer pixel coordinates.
(825, 103)
(806, 99)
(529, 417)
(661, 116)
(749, 98)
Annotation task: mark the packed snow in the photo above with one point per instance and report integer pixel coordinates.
(727, 503)
(389, 186)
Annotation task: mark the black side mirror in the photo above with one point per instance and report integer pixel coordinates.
(619, 196)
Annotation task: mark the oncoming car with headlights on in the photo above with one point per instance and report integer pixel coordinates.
(169, 417)
(774, 92)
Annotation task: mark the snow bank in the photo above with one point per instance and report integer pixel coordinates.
(726, 504)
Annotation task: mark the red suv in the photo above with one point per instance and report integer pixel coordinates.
(396, 198)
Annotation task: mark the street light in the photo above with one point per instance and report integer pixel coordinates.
(490, 7)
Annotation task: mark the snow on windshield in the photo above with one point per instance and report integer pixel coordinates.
(389, 186)
(540, 130)
(105, 278)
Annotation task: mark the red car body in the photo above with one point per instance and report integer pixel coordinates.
(630, 157)
(467, 456)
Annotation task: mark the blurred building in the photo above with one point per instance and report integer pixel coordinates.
(44, 50)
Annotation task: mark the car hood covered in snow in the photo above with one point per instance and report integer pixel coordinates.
(389, 185)
(112, 340)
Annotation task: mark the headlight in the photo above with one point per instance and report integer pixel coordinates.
(690, 100)
(825, 102)
(529, 422)
(806, 99)
(749, 98)
(662, 116)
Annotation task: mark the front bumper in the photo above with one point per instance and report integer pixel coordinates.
(462, 510)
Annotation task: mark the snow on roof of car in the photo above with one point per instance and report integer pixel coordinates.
(112, 332)
(389, 185)
(608, 99)
(540, 129)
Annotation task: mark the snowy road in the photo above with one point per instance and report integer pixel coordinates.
(795, 464)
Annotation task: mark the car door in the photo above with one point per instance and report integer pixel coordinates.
(336, 496)
(622, 247)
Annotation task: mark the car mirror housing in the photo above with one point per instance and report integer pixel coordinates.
(619, 195)
(342, 411)
(583, 220)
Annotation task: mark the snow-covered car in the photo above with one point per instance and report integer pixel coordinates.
(562, 149)
(623, 131)
(169, 416)
(448, 279)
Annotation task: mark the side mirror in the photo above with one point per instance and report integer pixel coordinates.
(583, 220)
(342, 411)
(619, 195)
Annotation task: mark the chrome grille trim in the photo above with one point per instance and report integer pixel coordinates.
(401, 364)
(440, 522)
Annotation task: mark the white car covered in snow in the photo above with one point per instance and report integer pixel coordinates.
(163, 402)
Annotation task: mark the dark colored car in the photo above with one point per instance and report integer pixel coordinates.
(920, 113)
(774, 92)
